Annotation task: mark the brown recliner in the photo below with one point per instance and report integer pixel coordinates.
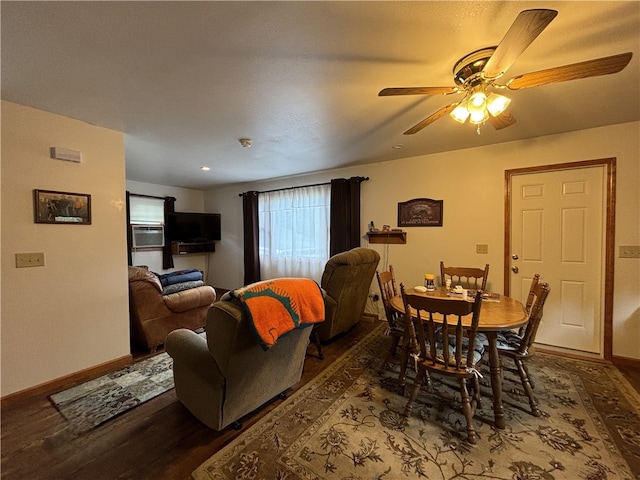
(226, 374)
(346, 282)
(154, 315)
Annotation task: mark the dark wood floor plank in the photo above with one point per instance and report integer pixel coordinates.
(632, 374)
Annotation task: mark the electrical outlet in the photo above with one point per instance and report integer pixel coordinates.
(629, 251)
(482, 248)
(29, 259)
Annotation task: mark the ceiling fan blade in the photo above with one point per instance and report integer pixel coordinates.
(504, 120)
(417, 91)
(430, 119)
(524, 30)
(590, 68)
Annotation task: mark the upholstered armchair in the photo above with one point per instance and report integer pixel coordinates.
(154, 315)
(226, 374)
(346, 282)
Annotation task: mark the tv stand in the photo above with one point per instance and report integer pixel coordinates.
(186, 248)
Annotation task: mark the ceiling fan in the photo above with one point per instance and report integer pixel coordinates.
(476, 73)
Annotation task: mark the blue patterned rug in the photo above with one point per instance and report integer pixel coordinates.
(346, 424)
(92, 403)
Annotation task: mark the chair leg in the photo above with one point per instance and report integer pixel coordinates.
(404, 360)
(395, 340)
(468, 411)
(394, 345)
(414, 394)
(526, 369)
(526, 385)
(476, 393)
(316, 341)
(427, 380)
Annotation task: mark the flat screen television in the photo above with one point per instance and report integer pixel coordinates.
(193, 227)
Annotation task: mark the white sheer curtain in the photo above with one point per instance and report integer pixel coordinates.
(294, 232)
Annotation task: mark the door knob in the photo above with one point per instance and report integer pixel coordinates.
(515, 256)
(515, 269)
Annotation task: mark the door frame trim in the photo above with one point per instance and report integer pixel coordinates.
(609, 226)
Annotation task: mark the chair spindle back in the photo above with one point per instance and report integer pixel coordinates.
(469, 277)
(540, 293)
(433, 338)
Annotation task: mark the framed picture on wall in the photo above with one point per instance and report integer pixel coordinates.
(420, 212)
(62, 207)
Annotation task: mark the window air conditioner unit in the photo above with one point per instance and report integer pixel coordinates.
(146, 236)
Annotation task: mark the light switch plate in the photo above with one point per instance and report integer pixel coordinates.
(30, 259)
(629, 251)
(482, 248)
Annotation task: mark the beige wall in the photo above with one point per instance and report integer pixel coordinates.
(71, 314)
(471, 183)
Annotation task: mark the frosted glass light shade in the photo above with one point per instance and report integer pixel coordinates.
(479, 116)
(477, 102)
(460, 113)
(496, 104)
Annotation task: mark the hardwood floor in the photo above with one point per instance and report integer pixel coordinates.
(158, 440)
(632, 374)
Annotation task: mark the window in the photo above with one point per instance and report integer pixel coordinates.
(294, 232)
(146, 217)
(146, 210)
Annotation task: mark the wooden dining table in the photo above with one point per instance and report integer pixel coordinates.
(497, 313)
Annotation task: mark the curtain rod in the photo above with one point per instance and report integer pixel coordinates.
(362, 179)
(149, 196)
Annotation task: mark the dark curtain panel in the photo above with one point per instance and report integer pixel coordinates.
(345, 214)
(167, 256)
(251, 237)
(129, 231)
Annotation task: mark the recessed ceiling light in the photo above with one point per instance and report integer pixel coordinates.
(398, 146)
(205, 169)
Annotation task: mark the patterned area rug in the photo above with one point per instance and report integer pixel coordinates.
(346, 425)
(92, 403)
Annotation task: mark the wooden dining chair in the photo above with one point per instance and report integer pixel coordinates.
(395, 321)
(530, 298)
(471, 278)
(446, 347)
(519, 347)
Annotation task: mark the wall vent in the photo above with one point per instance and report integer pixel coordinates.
(67, 154)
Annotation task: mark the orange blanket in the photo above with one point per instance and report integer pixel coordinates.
(276, 307)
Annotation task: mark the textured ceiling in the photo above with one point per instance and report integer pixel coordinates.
(186, 80)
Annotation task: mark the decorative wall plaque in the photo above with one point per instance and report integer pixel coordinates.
(420, 212)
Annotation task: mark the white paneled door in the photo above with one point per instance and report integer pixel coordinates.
(557, 230)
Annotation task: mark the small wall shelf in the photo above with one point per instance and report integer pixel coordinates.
(183, 248)
(388, 237)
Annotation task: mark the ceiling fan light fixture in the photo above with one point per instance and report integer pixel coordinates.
(496, 104)
(476, 72)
